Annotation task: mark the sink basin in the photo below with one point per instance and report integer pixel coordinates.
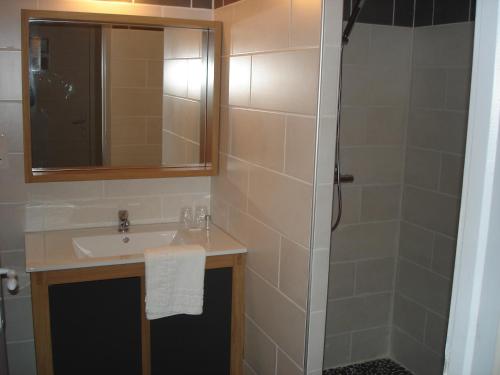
(111, 245)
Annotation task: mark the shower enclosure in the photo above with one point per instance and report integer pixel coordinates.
(406, 78)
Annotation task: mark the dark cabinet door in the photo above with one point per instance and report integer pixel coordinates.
(196, 345)
(96, 327)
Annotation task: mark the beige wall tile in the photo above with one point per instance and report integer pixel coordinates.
(264, 251)
(260, 25)
(260, 352)
(240, 73)
(294, 272)
(286, 366)
(276, 315)
(286, 81)
(231, 185)
(306, 23)
(258, 137)
(281, 202)
(300, 147)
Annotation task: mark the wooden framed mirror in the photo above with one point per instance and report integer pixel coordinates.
(119, 97)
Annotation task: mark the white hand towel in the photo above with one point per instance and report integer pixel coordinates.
(174, 280)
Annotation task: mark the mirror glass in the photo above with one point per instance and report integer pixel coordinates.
(106, 95)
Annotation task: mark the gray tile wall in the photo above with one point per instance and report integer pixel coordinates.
(403, 137)
(376, 77)
(431, 194)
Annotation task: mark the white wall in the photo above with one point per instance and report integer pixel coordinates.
(475, 309)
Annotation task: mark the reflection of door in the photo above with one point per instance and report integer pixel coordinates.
(66, 95)
(3, 347)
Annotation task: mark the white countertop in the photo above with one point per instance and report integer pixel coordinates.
(54, 250)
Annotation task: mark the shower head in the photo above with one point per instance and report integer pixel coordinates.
(358, 5)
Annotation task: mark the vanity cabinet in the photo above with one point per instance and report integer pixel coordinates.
(92, 321)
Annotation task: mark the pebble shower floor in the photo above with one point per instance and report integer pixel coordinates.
(377, 367)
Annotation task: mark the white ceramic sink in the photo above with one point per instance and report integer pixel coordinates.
(112, 245)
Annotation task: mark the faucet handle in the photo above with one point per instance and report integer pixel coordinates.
(123, 215)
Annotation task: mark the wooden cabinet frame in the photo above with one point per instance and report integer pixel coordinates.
(40, 282)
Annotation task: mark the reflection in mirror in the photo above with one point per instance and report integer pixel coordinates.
(114, 95)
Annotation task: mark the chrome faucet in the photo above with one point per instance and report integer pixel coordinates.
(123, 223)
